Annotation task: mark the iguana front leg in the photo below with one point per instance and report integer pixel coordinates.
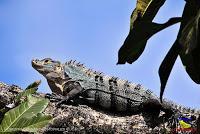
(74, 91)
(54, 97)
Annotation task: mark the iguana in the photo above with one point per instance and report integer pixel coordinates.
(75, 82)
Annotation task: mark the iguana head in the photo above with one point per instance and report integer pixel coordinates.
(60, 77)
(53, 71)
(46, 66)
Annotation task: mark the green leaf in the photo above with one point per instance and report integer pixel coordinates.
(34, 123)
(141, 29)
(167, 65)
(34, 84)
(32, 88)
(145, 9)
(190, 11)
(190, 44)
(2, 112)
(25, 93)
(28, 109)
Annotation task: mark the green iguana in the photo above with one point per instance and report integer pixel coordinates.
(73, 81)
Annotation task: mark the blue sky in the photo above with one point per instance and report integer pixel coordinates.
(90, 32)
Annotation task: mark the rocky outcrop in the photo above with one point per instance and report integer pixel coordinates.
(83, 119)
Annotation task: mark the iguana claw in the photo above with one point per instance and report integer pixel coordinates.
(54, 97)
(64, 100)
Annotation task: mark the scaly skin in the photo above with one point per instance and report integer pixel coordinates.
(76, 82)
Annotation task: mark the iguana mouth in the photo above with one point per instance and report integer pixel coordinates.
(36, 64)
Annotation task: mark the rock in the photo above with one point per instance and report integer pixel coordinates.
(83, 119)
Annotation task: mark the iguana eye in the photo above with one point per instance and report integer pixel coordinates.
(47, 61)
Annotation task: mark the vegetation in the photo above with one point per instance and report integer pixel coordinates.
(26, 116)
(187, 44)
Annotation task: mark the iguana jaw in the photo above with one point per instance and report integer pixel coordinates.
(36, 65)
